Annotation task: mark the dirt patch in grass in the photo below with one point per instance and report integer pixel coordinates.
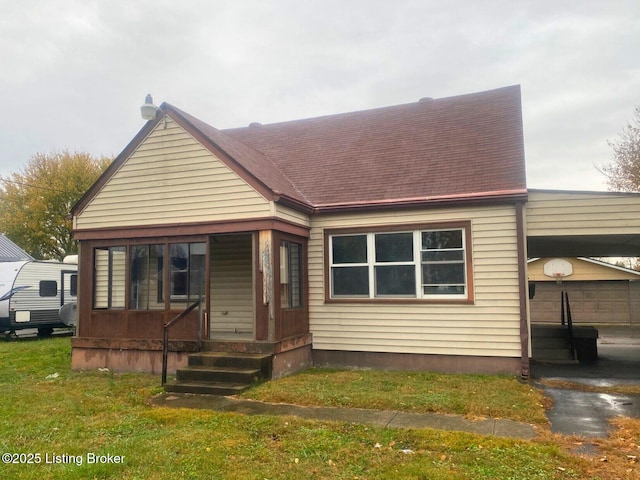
(613, 458)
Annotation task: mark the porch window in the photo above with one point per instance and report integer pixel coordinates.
(423, 263)
(109, 283)
(187, 270)
(147, 264)
(290, 275)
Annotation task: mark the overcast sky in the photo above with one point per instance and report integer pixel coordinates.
(73, 74)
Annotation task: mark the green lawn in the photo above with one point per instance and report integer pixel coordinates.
(469, 395)
(51, 414)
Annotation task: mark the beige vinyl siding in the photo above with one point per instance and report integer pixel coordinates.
(582, 213)
(582, 271)
(291, 215)
(172, 178)
(490, 327)
(232, 292)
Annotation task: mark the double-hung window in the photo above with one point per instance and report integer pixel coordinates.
(394, 272)
(425, 263)
(443, 262)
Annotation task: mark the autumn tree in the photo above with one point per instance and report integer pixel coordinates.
(35, 203)
(623, 174)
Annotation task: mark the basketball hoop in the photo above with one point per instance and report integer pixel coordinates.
(558, 268)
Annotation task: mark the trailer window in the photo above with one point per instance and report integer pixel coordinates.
(48, 288)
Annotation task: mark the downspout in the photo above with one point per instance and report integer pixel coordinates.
(524, 290)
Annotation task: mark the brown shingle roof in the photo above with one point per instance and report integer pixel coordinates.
(468, 146)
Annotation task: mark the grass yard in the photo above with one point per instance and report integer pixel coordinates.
(418, 392)
(65, 422)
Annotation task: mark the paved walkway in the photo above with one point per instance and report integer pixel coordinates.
(574, 411)
(577, 412)
(381, 418)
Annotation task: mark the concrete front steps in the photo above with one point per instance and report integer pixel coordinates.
(221, 373)
(550, 344)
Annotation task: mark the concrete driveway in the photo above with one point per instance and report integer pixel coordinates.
(587, 414)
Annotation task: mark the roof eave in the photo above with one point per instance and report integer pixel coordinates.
(293, 203)
(505, 196)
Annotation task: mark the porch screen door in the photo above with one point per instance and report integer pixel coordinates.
(232, 315)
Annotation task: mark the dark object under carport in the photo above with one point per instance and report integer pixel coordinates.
(585, 342)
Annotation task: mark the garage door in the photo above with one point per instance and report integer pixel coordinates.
(592, 303)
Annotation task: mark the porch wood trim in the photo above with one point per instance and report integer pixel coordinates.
(174, 230)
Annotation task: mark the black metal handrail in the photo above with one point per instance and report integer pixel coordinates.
(165, 337)
(570, 328)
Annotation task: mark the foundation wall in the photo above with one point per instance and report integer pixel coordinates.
(292, 361)
(414, 362)
(126, 360)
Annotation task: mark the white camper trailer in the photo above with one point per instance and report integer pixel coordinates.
(36, 294)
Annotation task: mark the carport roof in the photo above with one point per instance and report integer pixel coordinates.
(567, 223)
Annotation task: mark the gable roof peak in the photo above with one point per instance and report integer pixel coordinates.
(244, 159)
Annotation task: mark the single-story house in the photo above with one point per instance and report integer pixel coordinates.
(600, 293)
(395, 237)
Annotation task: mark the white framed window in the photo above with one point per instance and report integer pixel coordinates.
(422, 263)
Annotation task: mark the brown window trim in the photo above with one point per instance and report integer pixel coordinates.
(279, 237)
(127, 243)
(465, 224)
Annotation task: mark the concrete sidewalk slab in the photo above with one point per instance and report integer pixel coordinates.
(380, 418)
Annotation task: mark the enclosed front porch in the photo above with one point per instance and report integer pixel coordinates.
(245, 292)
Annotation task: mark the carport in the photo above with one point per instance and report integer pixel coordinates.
(582, 224)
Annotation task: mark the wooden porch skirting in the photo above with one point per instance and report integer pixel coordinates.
(139, 355)
(416, 361)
